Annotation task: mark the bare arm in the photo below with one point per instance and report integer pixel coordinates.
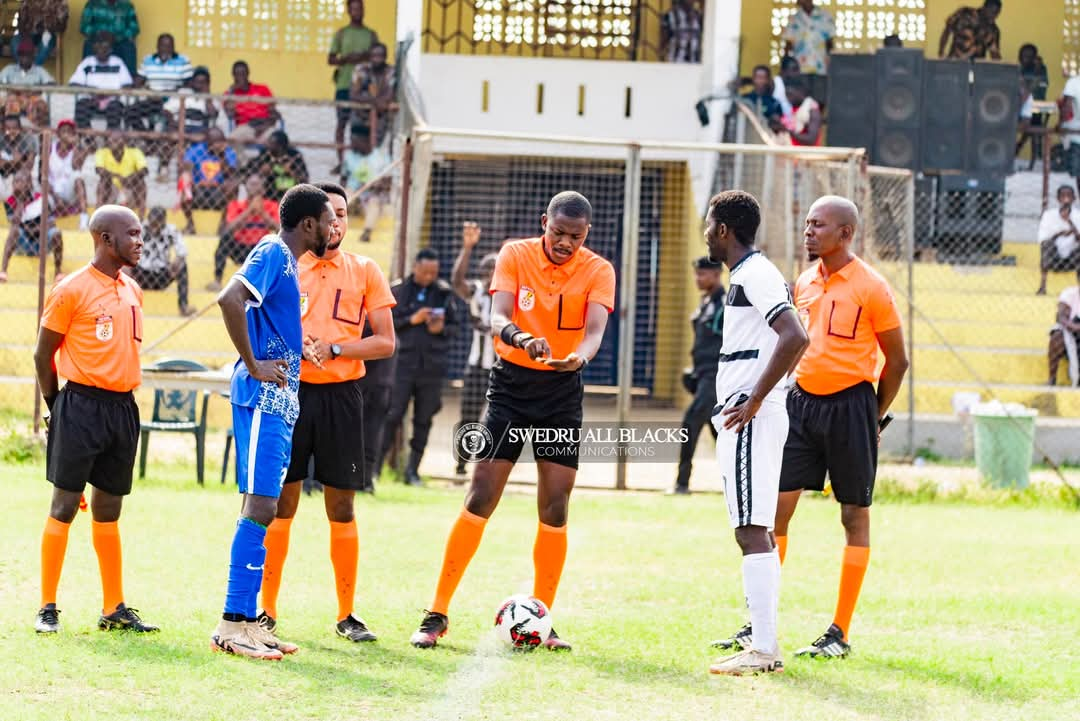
(790, 346)
(233, 303)
(502, 310)
(470, 236)
(813, 129)
(48, 343)
(1064, 317)
(380, 344)
(896, 365)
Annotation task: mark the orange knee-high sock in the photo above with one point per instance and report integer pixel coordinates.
(106, 538)
(460, 547)
(549, 555)
(781, 548)
(856, 559)
(277, 547)
(344, 555)
(53, 547)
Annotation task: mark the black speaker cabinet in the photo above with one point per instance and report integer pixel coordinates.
(970, 216)
(946, 102)
(898, 92)
(850, 105)
(994, 111)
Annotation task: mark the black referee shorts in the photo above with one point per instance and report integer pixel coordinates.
(93, 434)
(330, 427)
(523, 398)
(835, 434)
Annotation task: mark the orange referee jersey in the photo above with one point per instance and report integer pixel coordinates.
(843, 316)
(551, 299)
(101, 321)
(336, 294)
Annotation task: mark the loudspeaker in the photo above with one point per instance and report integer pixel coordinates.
(946, 102)
(899, 83)
(994, 111)
(850, 104)
(970, 216)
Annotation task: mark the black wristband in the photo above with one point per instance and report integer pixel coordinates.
(506, 335)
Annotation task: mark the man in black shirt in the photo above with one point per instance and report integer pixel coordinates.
(708, 323)
(281, 165)
(424, 320)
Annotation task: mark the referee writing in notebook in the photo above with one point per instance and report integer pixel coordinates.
(549, 307)
(834, 409)
(337, 291)
(91, 332)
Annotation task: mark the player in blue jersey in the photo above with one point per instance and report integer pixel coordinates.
(261, 309)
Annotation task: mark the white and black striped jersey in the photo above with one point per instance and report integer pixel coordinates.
(757, 295)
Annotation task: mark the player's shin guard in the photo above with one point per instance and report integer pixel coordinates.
(761, 581)
(277, 548)
(549, 556)
(245, 570)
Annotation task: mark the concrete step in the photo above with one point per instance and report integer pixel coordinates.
(991, 365)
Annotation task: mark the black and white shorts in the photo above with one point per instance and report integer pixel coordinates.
(750, 463)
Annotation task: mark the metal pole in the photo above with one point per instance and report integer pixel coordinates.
(628, 298)
(181, 125)
(790, 224)
(766, 196)
(852, 174)
(403, 231)
(909, 193)
(43, 251)
(1045, 169)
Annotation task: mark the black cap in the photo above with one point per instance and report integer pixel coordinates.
(707, 263)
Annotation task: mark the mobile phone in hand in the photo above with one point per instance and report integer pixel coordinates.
(884, 422)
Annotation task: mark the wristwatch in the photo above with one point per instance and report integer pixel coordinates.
(335, 350)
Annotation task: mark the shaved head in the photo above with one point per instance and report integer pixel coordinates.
(840, 209)
(108, 218)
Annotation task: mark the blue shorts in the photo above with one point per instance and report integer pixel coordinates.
(263, 448)
(27, 244)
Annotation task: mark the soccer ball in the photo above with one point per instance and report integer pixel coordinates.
(522, 622)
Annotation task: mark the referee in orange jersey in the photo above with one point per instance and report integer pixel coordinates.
(550, 302)
(834, 409)
(337, 292)
(91, 332)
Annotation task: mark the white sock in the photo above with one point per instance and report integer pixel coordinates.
(761, 581)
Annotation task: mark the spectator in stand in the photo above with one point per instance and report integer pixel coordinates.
(1069, 124)
(40, 22)
(361, 165)
(200, 114)
(974, 33)
(17, 147)
(281, 165)
(373, 82)
(243, 224)
(164, 259)
(351, 45)
(1034, 81)
(24, 72)
(761, 99)
(103, 71)
(680, 33)
(789, 68)
(121, 167)
(1065, 335)
(24, 211)
(252, 121)
(808, 37)
(208, 176)
(116, 17)
(67, 188)
(1059, 237)
(892, 41)
(804, 124)
(165, 72)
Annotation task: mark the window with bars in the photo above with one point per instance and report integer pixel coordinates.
(289, 25)
(560, 23)
(1070, 58)
(861, 25)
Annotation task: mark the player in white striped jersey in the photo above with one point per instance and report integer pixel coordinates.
(763, 340)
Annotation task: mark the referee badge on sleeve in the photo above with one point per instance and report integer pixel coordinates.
(103, 328)
(303, 304)
(526, 298)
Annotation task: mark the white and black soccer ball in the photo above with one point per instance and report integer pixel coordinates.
(522, 622)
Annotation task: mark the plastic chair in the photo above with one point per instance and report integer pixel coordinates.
(175, 411)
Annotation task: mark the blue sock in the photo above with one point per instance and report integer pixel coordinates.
(245, 570)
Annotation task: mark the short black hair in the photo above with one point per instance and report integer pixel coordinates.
(992, 4)
(707, 263)
(201, 70)
(761, 67)
(166, 35)
(379, 45)
(1029, 46)
(570, 204)
(241, 64)
(1061, 188)
(789, 63)
(280, 136)
(426, 254)
(332, 189)
(739, 211)
(796, 82)
(103, 36)
(299, 202)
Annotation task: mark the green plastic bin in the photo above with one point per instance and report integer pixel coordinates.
(1004, 439)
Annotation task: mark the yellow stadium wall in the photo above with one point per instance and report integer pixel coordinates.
(1020, 22)
(673, 336)
(289, 74)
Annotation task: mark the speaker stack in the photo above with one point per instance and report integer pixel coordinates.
(951, 121)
